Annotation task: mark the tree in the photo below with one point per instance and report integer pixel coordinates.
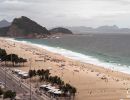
(39, 73)
(30, 73)
(13, 58)
(67, 88)
(46, 75)
(2, 53)
(22, 60)
(34, 72)
(1, 91)
(43, 74)
(10, 94)
(73, 91)
(64, 89)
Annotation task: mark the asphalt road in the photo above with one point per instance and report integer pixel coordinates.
(15, 84)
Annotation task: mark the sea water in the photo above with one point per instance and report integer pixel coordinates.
(109, 51)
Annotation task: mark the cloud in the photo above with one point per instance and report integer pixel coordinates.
(68, 12)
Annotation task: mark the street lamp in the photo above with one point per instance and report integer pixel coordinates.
(4, 68)
(30, 80)
(5, 78)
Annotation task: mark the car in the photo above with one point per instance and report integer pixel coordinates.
(2, 85)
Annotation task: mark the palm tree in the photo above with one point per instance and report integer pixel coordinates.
(30, 73)
(64, 89)
(34, 72)
(50, 79)
(22, 60)
(3, 55)
(73, 91)
(59, 81)
(44, 74)
(40, 73)
(13, 58)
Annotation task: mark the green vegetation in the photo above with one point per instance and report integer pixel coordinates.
(24, 27)
(11, 58)
(28, 26)
(44, 75)
(1, 91)
(9, 94)
(60, 30)
(2, 54)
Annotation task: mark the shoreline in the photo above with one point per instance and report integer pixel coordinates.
(87, 78)
(79, 57)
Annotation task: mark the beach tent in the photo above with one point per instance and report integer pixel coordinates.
(57, 92)
(43, 86)
(16, 71)
(50, 87)
(22, 73)
(24, 76)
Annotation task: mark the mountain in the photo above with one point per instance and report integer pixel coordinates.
(80, 29)
(60, 30)
(25, 28)
(102, 29)
(4, 23)
(114, 27)
(3, 31)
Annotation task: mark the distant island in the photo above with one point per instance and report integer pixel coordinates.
(60, 30)
(24, 27)
(4, 23)
(99, 30)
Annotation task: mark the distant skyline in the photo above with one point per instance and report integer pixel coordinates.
(51, 13)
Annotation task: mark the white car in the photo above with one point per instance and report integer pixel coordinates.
(2, 85)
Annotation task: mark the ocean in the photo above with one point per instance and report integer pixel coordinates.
(107, 50)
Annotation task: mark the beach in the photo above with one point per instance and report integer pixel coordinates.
(92, 82)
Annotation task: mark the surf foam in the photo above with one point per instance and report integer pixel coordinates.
(80, 57)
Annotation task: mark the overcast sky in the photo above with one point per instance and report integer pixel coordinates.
(51, 13)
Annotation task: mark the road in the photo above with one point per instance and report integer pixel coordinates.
(15, 84)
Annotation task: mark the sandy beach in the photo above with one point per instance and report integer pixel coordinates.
(92, 82)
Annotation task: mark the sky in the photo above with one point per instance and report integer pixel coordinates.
(52, 13)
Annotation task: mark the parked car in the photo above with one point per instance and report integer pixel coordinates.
(2, 85)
